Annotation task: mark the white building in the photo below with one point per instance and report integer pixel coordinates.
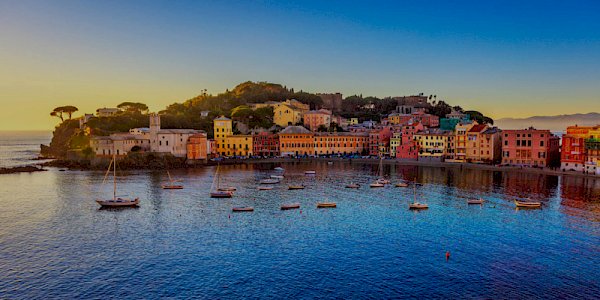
(119, 144)
(172, 141)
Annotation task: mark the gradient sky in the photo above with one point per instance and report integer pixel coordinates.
(503, 58)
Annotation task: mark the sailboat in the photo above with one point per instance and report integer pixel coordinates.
(116, 201)
(171, 185)
(219, 193)
(380, 182)
(415, 204)
(353, 185)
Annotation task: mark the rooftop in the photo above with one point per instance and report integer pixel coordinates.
(295, 130)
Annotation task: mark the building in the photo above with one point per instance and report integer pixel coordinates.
(266, 144)
(483, 144)
(530, 147)
(107, 112)
(408, 148)
(460, 140)
(222, 127)
(332, 101)
(198, 147)
(434, 144)
(353, 121)
(286, 115)
(340, 143)
(379, 141)
(580, 149)
(173, 141)
(296, 140)
(315, 118)
(119, 144)
(239, 145)
(427, 120)
(395, 141)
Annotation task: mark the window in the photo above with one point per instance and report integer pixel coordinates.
(541, 143)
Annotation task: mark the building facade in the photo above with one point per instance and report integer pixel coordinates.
(315, 118)
(530, 147)
(296, 140)
(198, 147)
(341, 143)
(266, 144)
(222, 128)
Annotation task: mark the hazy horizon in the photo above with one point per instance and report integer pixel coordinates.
(505, 59)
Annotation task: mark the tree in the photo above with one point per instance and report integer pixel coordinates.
(61, 110)
(322, 128)
(133, 107)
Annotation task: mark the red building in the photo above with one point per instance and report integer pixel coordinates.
(379, 141)
(266, 144)
(572, 156)
(530, 147)
(408, 148)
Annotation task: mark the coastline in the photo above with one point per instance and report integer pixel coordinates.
(541, 171)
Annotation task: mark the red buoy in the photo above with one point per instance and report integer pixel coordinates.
(447, 255)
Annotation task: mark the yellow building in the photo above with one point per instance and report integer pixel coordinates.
(223, 127)
(286, 115)
(434, 144)
(238, 145)
(341, 143)
(296, 140)
(460, 140)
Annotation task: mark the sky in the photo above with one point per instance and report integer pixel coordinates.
(503, 58)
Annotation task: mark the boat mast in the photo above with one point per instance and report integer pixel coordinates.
(114, 173)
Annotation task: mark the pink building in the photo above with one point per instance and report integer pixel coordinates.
(530, 147)
(379, 141)
(315, 118)
(408, 148)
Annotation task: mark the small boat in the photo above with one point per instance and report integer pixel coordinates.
(116, 201)
(290, 206)
(242, 209)
(269, 181)
(227, 189)
(528, 204)
(353, 186)
(417, 205)
(310, 172)
(326, 205)
(296, 187)
(221, 194)
(376, 184)
(475, 201)
(171, 185)
(383, 181)
(330, 163)
(279, 169)
(401, 184)
(277, 176)
(265, 188)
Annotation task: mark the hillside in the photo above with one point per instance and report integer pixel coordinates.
(554, 123)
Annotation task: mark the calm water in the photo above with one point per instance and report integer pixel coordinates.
(56, 243)
(20, 148)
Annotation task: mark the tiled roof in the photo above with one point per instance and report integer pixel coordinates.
(477, 128)
(294, 130)
(222, 118)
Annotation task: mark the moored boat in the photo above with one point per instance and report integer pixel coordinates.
(475, 201)
(290, 206)
(269, 181)
(116, 201)
(227, 189)
(417, 205)
(277, 176)
(401, 184)
(171, 187)
(242, 209)
(278, 169)
(353, 186)
(376, 184)
(296, 187)
(221, 194)
(264, 188)
(326, 205)
(310, 172)
(528, 204)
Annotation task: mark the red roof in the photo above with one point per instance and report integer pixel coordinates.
(477, 128)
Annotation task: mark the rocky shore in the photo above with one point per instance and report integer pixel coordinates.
(22, 169)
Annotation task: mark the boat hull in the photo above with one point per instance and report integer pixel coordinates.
(265, 188)
(326, 205)
(242, 209)
(295, 187)
(119, 202)
(474, 201)
(310, 172)
(401, 185)
(376, 185)
(418, 206)
(227, 189)
(269, 181)
(353, 186)
(520, 204)
(290, 206)
(172, 187)
(221, 194)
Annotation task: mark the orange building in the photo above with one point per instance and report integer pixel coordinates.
(315, 118)
(197, 147)
(296, 140)
(341, 143)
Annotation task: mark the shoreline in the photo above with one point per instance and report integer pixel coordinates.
(542, 171)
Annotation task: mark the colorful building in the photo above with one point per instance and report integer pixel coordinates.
(119, 144)
(286, 115)
(483, 144)
(379, 141)
(460, 140)
(530, 147)
(434, 144)
(408, 148)
(580, 149)
(266, 144)
(427, 120)
(315, 118)
(198, 147)
(395, 141)
(296, 140)
(342, 143)
(222, 128)
(239, 145)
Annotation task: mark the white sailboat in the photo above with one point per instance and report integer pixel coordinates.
(415, 204)
(172, 184)
(380, 182)
(219, 192)
(116, 201)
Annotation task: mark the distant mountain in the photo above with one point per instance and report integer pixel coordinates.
(554, 123)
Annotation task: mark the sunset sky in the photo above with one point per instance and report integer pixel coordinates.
(502, 58)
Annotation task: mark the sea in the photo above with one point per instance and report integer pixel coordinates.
(21, 148)
(57, 243)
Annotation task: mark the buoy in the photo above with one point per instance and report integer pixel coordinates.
(447, 255)
(230, 216)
